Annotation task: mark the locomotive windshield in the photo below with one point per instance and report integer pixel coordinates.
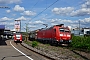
(61, 29)
(64, 30)
(18, 36)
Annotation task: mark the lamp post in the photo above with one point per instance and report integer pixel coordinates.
(26, 31)
(79, 27)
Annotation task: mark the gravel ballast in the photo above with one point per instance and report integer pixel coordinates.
(56, 53)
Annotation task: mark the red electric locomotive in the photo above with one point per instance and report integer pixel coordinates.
(18, 37)
(55, 34)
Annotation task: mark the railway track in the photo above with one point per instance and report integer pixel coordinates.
(31, 53)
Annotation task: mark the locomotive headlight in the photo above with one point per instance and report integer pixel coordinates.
(61, 34)
(68, 35)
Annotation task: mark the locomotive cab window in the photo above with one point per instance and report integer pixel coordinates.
(18, 36)
(64, 30)
(67, 30)
(61, 29)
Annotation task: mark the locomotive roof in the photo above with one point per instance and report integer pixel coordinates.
(52, 27)
(59, 25)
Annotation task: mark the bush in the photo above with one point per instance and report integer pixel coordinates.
(34, 43)
(80, 42)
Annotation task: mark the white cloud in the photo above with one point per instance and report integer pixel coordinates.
(6, 18)
(85, 21)
(51, 22)
(32, 26)
(60, 21)
(3, 23)
(18, 8)
(9, 1)
(86, 4)
(13, 14)
(38, 22)
(8, 11)
(6, 21)
(11, 24)
(29, 13)
(83, 11)
(63, 11)
(71, 23)
(23, 18)
(66, 21)
(8, 24)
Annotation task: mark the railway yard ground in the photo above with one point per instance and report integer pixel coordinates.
(41, 51)
(57, 52)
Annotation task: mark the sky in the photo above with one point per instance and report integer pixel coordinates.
(35, 13)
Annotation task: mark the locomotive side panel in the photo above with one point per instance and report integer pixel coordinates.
(56, 34)
(48, 34)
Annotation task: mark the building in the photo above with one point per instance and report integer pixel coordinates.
(86, 31)
(82, 31)
(2, 28)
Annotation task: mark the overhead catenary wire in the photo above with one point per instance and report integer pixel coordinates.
(45, 9)
(34, 4)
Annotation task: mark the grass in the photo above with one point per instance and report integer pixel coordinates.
(32, 43)
(27, 42)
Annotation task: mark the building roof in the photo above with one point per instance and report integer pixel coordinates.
(2, 26)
